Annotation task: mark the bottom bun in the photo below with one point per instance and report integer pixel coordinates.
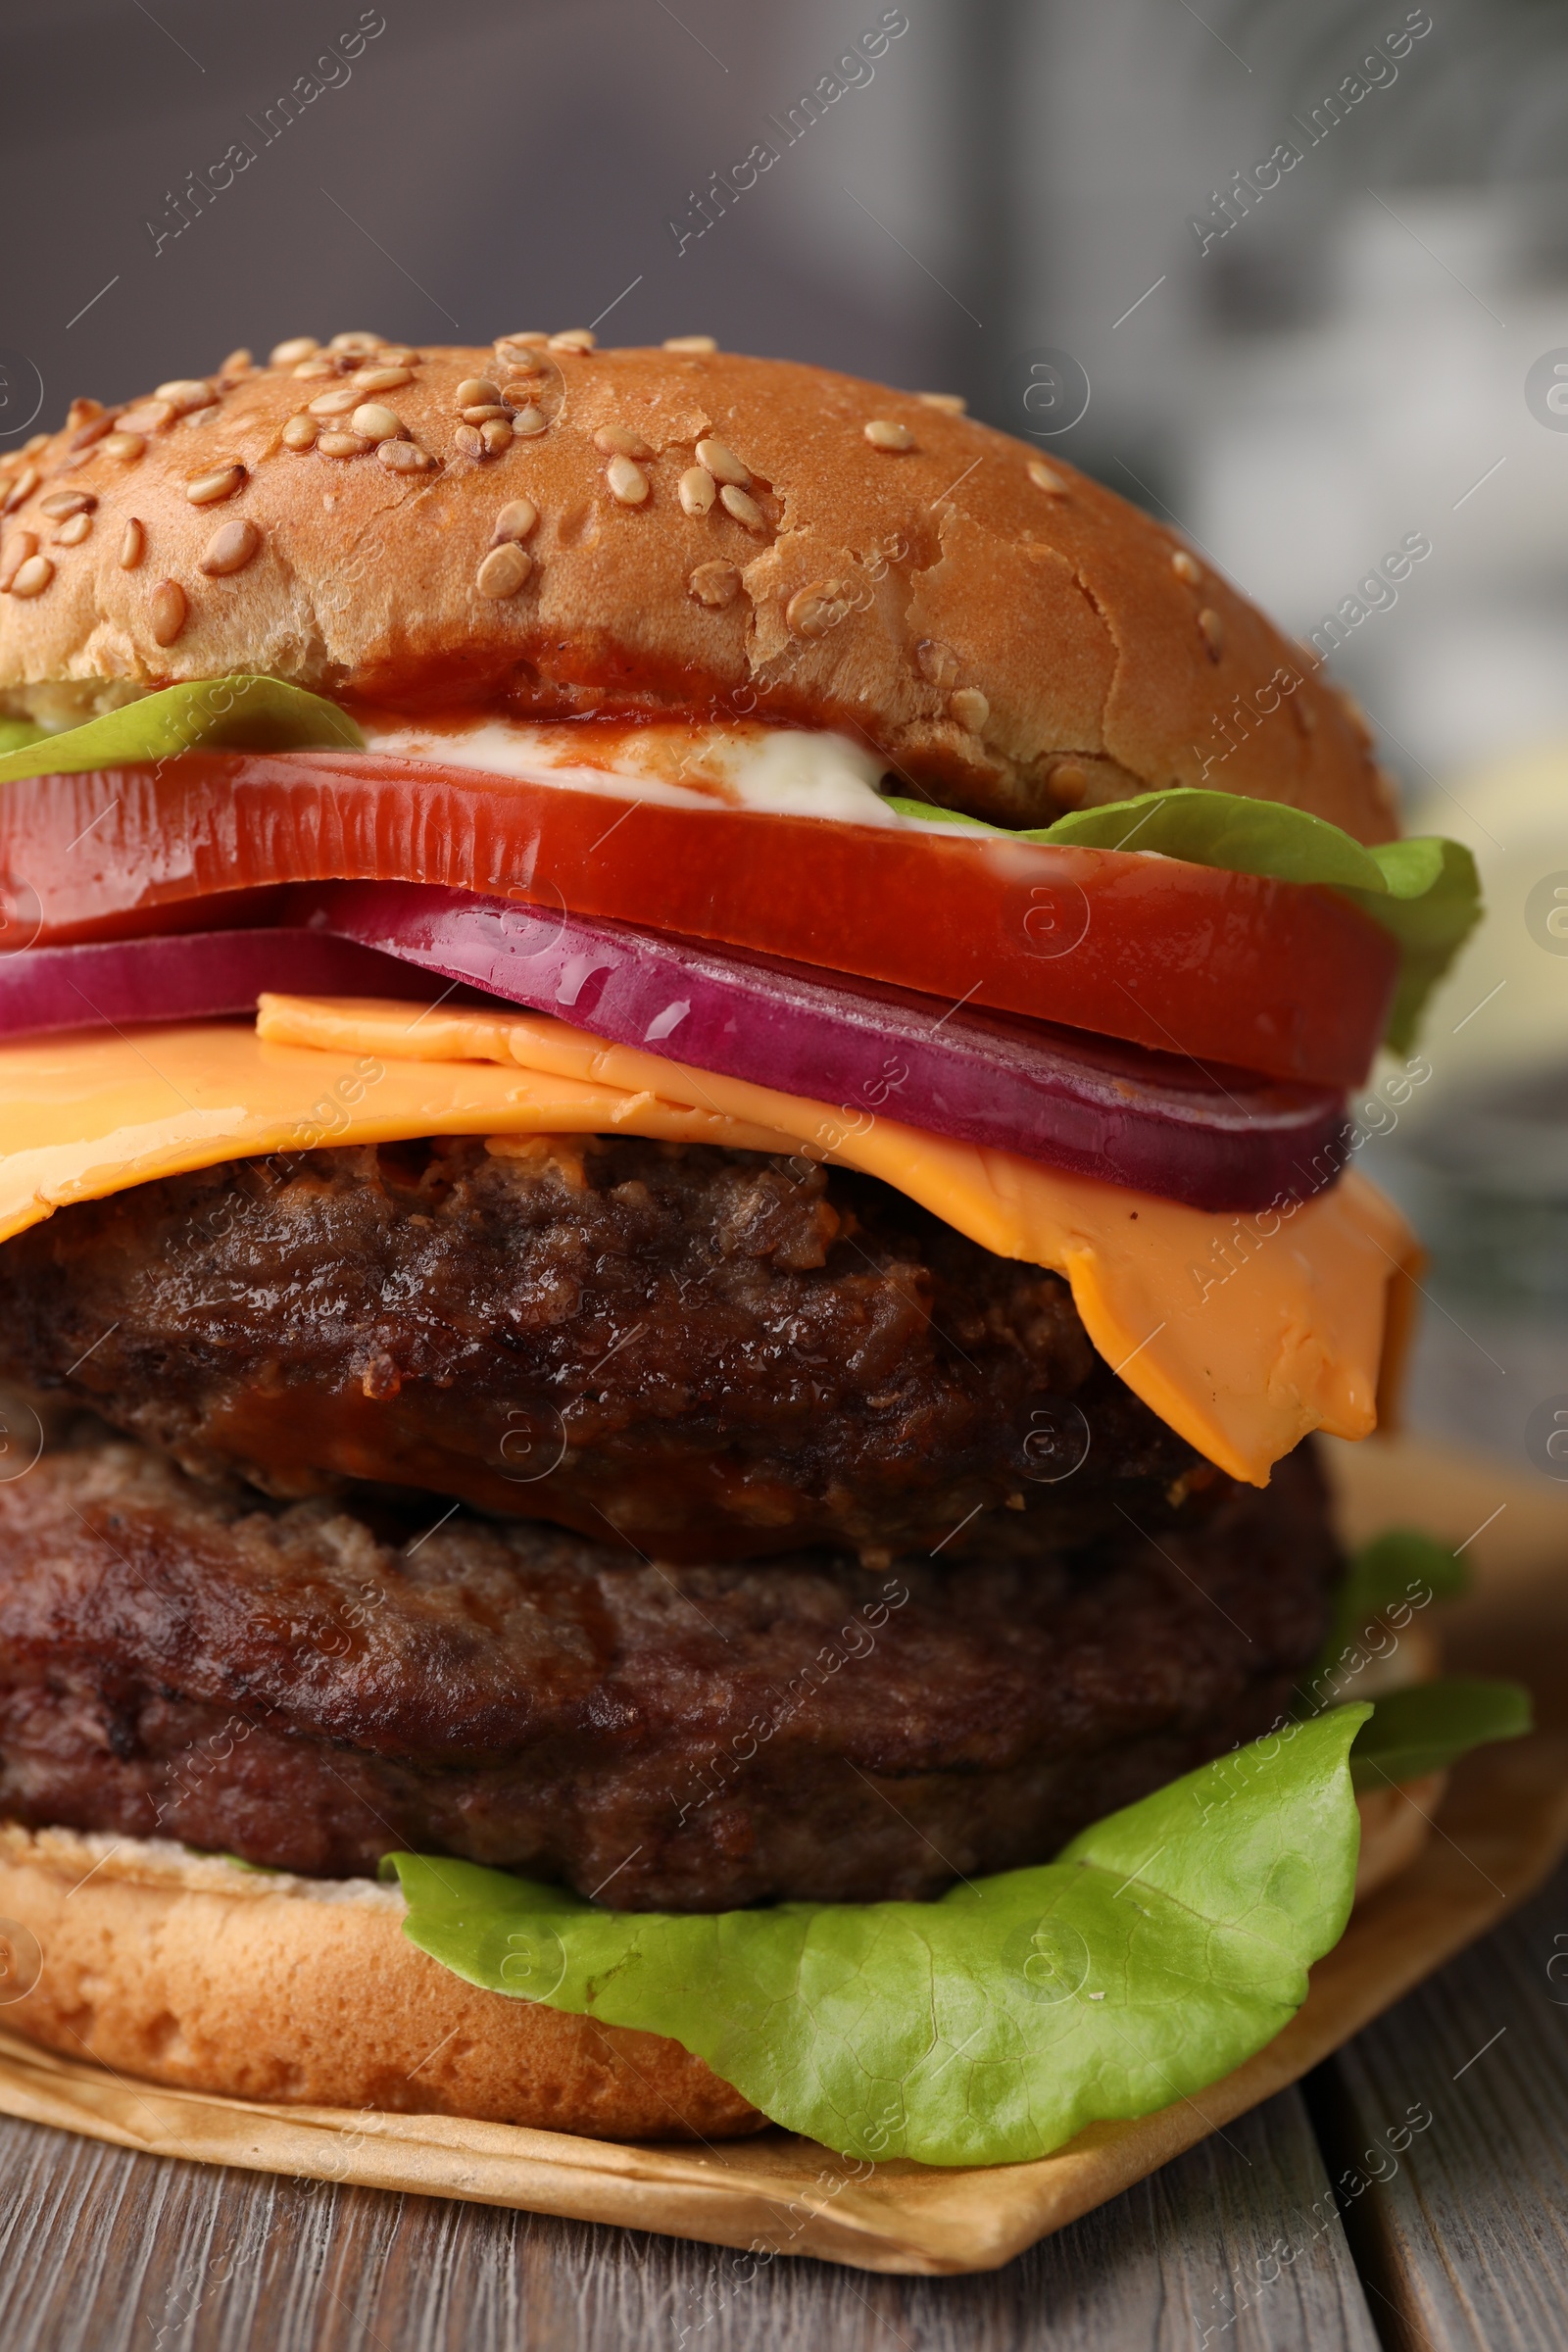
(195, 1971)
(191, 1971)
(1394, 1823)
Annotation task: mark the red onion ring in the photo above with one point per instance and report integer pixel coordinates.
(186, 976)
(1214, 1138)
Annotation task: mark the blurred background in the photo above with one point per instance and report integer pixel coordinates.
(1296, 278)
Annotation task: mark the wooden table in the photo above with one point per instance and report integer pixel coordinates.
(1242, 2243)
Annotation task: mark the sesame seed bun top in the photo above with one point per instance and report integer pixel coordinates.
(556, 530)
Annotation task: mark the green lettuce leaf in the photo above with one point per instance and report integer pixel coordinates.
(1430, 1725)
(15, 732)
(1401, 1563)
(1431, 926)
(930, 815)
(236, 714)
(1159, 1951)
(1404, 1568)
(1424, 891)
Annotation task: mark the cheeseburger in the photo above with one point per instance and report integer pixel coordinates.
(676, 1207)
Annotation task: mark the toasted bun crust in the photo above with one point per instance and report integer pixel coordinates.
(191, 1972)
(187, 1970)
(1012, 637)
(1396, 1823)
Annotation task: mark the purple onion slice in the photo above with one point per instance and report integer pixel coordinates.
(1212, 1137)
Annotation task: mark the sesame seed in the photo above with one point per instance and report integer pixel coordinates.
(697, 490)
(22, 489)
(937, 663)
(132, 544)
(186, 393)
(383, 379)
(486, 412)
(230, 547)
(34, 441)
(1070, 784)
(338, 444)
(715, 584)
(335, 404)
(404, 457)
(1186, 567)
(61, 503)
(722, 463)
(221, 481)
(126, 446)
(496, 434)
(467, 442)
(238, 363)
(357, 343)
(529, 366)
(575, 338)
(694, 343)
(502, 571)
(817, 608)
(33, 577)
(300, 432)
(1045, 478)
(745, 509)
(18, 549)
(167, 608)
(1213, 629)
(885, 432)
(516, 520)
(526, 338)
(375, 422)
(81, 412)
(148, 416)
(953, 403)
(529, 422)
(619, 441)
(474, 389)
(308, 370)
(969, 708)
(397, 355)
(298, 347)
(73, 531)
(627, 482)
(93, 430)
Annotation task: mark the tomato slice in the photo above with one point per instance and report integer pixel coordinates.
(1272, 976)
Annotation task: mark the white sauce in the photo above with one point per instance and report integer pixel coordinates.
(788, 771)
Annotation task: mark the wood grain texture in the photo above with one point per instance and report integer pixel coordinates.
(104, 2251)
(1465, 2247)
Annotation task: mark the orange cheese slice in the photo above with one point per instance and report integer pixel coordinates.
(1243, 1334)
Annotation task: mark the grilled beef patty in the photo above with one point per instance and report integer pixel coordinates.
(706, 1355)
(307, 1687)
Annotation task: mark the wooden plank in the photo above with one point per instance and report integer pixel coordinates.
(1464, 2247)
(104, 2251)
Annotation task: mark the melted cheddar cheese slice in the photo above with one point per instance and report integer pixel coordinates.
(1243, 1334)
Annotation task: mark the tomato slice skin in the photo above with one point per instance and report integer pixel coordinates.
(1271, 976)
